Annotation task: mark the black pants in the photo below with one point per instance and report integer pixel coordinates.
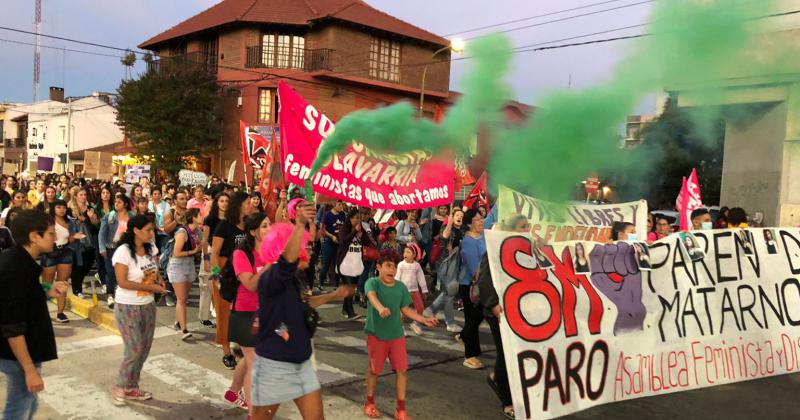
(500, 372)
(347, 305)
(79, 272)
(473, 316)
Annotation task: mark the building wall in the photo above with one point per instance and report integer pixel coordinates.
(751, 170)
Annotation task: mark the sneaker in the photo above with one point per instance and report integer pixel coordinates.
(186, 335)
(235, 399)
(61, 318)
(428, 313)
(81, 295)
(169, 299)
(137, 394)
(353, 317)
(415, 327)
(176, 326)
(458, 339)
(229, 361)
(207, 323)
(453, 328)
(473, 363)
(110, 302)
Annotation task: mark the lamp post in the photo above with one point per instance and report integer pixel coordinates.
(456, 45)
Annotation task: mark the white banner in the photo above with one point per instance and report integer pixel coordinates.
(555, 222)
(691, 311)
(188, 177)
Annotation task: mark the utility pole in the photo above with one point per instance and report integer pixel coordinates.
(69, 131)
(37, 54)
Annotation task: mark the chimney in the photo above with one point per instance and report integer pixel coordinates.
(56, 93)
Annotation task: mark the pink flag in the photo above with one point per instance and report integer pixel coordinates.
(689, 199)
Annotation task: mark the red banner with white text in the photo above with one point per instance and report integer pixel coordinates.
(358, 175)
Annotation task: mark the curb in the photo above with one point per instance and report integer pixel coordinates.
(101, 316)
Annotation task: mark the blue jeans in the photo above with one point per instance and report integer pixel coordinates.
(20, 404)
(369, 269)
(328, 257)
(111, 277)
(447, 302)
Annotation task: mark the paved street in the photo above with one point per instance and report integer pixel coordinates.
(188, 379)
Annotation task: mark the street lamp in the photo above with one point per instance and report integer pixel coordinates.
(456, 45)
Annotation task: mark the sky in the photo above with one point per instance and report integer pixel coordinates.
(126, 23)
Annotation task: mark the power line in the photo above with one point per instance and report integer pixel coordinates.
(569, 18)
(481, 28)
(94, 44)
(58, 48)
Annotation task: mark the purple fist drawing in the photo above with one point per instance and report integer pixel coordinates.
(616, 275)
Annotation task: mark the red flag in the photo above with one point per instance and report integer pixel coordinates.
(254, 146)
(478, 196)
(689, 200)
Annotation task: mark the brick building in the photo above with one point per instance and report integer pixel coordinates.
(341, 55)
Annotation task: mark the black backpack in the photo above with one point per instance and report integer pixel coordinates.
(228, 282)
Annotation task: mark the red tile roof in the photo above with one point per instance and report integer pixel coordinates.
(293, 12)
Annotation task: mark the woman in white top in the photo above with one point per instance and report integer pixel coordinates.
(138, 280)
(181, 270)
(57, 265)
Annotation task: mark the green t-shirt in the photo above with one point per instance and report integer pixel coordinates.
(395, 297)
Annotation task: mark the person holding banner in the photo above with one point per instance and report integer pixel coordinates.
(493, 312)
(662, 229)
(473, 248)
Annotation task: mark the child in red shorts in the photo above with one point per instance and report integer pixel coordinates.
(385, 336)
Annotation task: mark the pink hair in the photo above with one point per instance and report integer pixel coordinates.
(275, 242)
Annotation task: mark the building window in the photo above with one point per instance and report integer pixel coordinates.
(33, 132)
(283, 51)
(265, 105)
(384, 60)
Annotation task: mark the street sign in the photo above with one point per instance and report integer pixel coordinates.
(592, 184)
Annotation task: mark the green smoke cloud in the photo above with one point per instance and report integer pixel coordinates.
(575, 132)
(396, 128)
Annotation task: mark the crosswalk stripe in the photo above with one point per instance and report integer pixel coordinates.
(103, 341)
(75, 398)
(356, 343)
(328, 374)
(188, 377)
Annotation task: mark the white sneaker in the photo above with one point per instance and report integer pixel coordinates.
(415, 327)
(81, 295)
(453, 328)
(428, 313)
(110, 302)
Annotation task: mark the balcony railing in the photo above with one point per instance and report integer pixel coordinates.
(14, 143)
(299, 59)
(196, 58)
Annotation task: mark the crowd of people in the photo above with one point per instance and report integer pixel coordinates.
(261, 268)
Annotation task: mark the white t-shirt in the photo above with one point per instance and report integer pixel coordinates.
(143, 270)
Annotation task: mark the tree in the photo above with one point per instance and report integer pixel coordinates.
(676, 142)
(170, 114)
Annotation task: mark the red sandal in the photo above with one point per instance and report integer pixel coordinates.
(401, 415)
(371, 411)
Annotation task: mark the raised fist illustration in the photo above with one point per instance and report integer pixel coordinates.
(616, 275)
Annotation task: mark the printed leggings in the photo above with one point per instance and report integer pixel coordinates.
(136, 324)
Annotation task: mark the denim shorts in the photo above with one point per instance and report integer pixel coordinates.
(277, 382)
(59, 256)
